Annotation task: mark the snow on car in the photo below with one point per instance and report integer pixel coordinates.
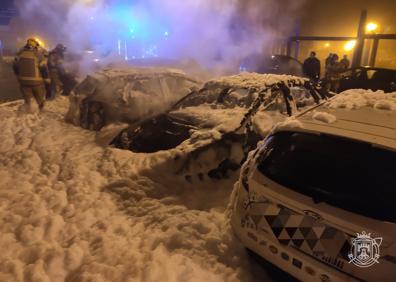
(71, 210)
(211, 130)
(317, 182)
(126, 95)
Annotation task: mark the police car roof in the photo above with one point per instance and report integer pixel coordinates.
(357, 114)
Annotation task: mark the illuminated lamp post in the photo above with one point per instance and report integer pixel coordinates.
(371, 27)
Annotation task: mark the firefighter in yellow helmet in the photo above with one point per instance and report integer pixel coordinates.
(30, 67)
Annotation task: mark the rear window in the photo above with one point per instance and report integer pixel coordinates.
(348, 174)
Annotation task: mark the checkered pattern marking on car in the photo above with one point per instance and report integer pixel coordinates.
(300, 231)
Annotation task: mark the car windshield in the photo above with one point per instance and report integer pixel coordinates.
(348, 174)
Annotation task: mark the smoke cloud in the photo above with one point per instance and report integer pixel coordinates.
(214, 33)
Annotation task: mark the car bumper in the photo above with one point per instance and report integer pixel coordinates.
(264, 244)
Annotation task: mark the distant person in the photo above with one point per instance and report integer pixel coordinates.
(311, 67)
(30, 67)
(345, 61)
(56, 70)
(327, 65)
(328, 60)
(334, 71)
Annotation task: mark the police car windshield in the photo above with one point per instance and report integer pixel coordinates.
(348, 174)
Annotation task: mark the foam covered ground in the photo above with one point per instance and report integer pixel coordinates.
(71, 210)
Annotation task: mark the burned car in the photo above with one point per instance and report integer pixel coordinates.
(211, 130)
(126, 95)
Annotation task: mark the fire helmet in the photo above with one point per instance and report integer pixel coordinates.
(32, 42)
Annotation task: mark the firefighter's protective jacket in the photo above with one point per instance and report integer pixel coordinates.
(30, 66)
(55, 63)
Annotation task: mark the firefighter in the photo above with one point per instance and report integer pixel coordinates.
(30, 67)
(56, 70)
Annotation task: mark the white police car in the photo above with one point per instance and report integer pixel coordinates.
(318, 197)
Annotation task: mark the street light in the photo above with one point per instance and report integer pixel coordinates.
(371, 27)
(350, 45)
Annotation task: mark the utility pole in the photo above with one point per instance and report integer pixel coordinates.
(374, 52)
(358, 54)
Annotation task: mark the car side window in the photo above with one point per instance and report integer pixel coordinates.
(361, 75)
(383, 76)
(371, 74)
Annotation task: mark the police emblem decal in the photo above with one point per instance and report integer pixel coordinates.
(365, 251)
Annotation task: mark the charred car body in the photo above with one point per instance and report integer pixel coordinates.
(126, 95)
(213, 129)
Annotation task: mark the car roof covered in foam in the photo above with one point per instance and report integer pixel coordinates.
(138, 72)
(357, 114)
(253, 80)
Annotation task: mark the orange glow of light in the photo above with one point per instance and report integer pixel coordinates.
(371, 27)
(350, 45)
